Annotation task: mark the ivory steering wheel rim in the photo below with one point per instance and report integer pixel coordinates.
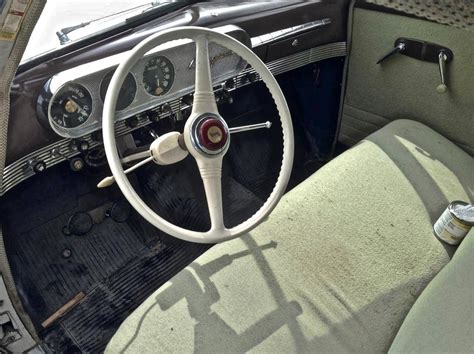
(202, 105)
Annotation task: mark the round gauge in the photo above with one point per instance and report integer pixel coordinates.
(71, 106)
(127, 91)
(158, 76)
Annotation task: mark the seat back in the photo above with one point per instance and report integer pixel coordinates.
(442, 318)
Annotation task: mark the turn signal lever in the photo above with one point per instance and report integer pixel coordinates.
(426, 51)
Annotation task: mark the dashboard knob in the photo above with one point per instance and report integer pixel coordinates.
(82, 146)
(38, 166)
(132, 122)
(166, 108)
(230, 84)
(249, 77)
(79, 145)
(76, 164)
(153, 116)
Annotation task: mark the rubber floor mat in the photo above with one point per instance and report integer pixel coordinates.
(55, 279)
(89, 326)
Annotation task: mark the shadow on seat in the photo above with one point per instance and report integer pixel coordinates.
(213, 334)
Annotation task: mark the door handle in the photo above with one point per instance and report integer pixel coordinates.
(399, 48)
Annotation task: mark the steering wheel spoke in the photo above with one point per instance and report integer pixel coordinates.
(211, 174)
(204, 100)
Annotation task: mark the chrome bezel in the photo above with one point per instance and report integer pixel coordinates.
(172, 82)
(53, 98)
(195, 138)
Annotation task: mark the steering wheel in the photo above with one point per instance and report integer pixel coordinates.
(206, 135)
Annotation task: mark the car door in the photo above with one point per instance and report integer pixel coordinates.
(403, 87)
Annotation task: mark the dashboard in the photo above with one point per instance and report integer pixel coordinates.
(71, 102)
(56, 102)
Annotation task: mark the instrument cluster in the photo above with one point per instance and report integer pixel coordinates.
(71, 102)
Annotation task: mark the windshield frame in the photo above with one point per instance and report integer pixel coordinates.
(128, 24)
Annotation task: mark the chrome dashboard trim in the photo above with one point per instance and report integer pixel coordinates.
(61, 150)
(289, 32)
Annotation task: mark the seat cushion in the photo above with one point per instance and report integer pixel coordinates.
(335, 268)
(442, 319)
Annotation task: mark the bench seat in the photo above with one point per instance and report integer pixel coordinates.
(335, 268)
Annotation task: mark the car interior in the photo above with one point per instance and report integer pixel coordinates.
(230, 177)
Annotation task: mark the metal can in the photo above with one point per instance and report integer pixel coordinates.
(450, 227)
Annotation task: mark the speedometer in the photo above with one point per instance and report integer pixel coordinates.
(158, 76)
(71, 106)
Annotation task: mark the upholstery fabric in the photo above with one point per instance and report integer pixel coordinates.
(404, 87)
(442, 319)
(335, 268)
(457, 13)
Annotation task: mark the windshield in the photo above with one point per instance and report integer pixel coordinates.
(53, 29)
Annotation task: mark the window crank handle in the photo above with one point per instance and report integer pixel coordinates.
(442, 59)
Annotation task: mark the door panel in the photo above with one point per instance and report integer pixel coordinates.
(403, 87)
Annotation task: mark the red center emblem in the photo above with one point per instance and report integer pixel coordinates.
(212, 134)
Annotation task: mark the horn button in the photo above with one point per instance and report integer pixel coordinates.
(212, 135)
